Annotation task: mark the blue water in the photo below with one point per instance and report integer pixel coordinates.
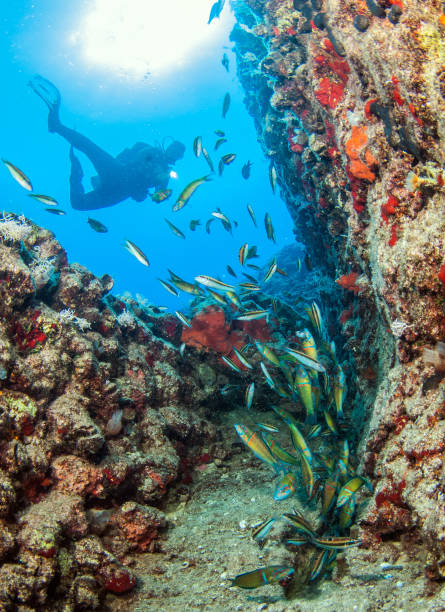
(116, 110)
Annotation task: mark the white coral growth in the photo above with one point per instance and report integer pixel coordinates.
(14, 229)
(125, 319)
(41, 268)
(398, 327)
(67, 316)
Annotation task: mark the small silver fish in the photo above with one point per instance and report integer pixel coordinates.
(135, 251)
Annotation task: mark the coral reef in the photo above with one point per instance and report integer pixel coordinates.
(97, 419)
(348, 102)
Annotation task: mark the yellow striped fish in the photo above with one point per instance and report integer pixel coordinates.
(18, 175)
(189, 190)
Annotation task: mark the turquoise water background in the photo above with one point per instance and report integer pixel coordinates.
(116, 111)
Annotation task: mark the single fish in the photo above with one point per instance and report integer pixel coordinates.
(226, 104)
(56, 211)
(197, 146)
(299, 442)
(251, 315)
(299, 523)
(231, 364)
(273, 177)
(208, 223)
(174, 229)
(245, 170)
(253, 266)
(262, 576)
(182, 349)
(252, 252)
(253, 441)
(228, 389)
(308, 262)
(219, 142)
(252, 214)
(217, 297)
(346, 515)
(183, 318)
(271, 271)
(232, 297)
(267, 352)
(97, 226)
(305, 360)
(285, 487)
(285, 415)
(282, 272)
(242, 359)
(322, 563)
(335, 542)
(314, 431)
(188, 191)
(298, 265)
(206, 156)
(45, 199)
(298, 541)
(250, 278)
(242, 253)
(269, 228)
(135, 251)
(308, 475)
(213, 283)
(277, 451)
(329, 492)
(220, 167)
(269, 428)
(307, 344)
(260, 532)
(343, 456)
(224, 220)
(248, 287)
(270, 381)
(330, 422)
(18, 175)
(161, 195)
(188, 287)
(302, 385)
(220, 133)
(231, 271)
(248, 396)
(349, 489)
(228, 158)
(225, 62)
(339, 390)
(194, 223)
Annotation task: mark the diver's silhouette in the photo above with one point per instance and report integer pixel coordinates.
(128, 175)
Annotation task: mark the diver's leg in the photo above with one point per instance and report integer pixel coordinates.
(77, 192)
(79, 199)
(103, 162)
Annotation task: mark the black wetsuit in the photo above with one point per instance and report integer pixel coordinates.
(129, 175)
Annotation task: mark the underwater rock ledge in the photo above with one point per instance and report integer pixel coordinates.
(348, 100)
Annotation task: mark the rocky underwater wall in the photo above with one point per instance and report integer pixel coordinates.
(99, 414)
(348, 103)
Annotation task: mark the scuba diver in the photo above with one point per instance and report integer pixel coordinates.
(128, 175)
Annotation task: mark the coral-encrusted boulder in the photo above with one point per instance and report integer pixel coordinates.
(45, 523)
(72, 426)
(92, 558)
(138, 527)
